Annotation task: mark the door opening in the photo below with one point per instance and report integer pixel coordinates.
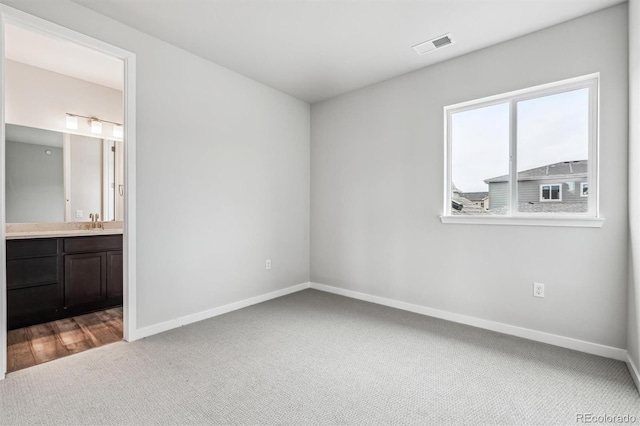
(67, 185)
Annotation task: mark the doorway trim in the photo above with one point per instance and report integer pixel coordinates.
(33, 23)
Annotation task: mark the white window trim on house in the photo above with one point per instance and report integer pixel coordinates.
(551, 200)
(589, 219)
(582, 185)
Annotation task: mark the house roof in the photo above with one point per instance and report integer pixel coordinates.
(474, 196)
(471, 196)
(556, 170)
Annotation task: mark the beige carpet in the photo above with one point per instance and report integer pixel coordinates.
(318, 358)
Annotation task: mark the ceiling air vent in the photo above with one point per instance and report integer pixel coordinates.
(433, 44)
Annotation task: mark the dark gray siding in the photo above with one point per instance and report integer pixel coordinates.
(529, 192)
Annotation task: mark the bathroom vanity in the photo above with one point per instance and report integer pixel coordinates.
(60, 265)
(60, 274)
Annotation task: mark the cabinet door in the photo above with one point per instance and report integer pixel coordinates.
(85, 277)
(114, 275)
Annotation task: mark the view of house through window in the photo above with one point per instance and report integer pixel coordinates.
(552, 141)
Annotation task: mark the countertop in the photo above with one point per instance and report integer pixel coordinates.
(61, 233)
(18, 231)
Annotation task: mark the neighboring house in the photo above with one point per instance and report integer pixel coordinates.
(469, 202)
(558, 187)
(478, 198)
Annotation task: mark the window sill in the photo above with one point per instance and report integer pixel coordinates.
(579, 222)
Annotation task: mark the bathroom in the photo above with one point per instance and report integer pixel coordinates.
(65, 197)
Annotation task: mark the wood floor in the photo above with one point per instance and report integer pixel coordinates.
(41, 343)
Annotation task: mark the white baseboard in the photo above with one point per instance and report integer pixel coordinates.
(526, 333)
(633, 370)
(210, 313)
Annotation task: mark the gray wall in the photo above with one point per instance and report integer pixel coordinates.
(377, 188)
(222, 175)
(34, 183)
(633, 332)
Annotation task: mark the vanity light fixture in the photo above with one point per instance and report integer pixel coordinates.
(95, 123)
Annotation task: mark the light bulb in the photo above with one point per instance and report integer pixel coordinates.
(96, 127)
(72, 122)
(118, 131)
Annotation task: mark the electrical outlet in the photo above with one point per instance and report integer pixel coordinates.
(538, 289)
(79, 213)
(268, 264)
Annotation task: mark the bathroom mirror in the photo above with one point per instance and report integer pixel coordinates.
(59, 177)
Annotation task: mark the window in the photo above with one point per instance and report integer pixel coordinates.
(551, 192)
(523, 153)
(584, 189)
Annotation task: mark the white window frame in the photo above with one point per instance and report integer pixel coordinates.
(590, 218)
(582, 185)
(551, 200)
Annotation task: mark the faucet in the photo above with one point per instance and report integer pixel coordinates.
(98, 223)
(95, 221)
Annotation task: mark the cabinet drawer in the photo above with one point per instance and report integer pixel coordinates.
(27, 272)
(31, 248)
(89, 244)
(33, 305)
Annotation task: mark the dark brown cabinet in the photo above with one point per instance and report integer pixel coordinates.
(53, 278)
(115, 275)
(85, 278)
(34, 281)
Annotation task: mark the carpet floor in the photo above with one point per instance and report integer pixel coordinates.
(317, 358)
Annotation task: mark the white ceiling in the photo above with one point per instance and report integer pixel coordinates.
(63, 57)
(316, 49)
